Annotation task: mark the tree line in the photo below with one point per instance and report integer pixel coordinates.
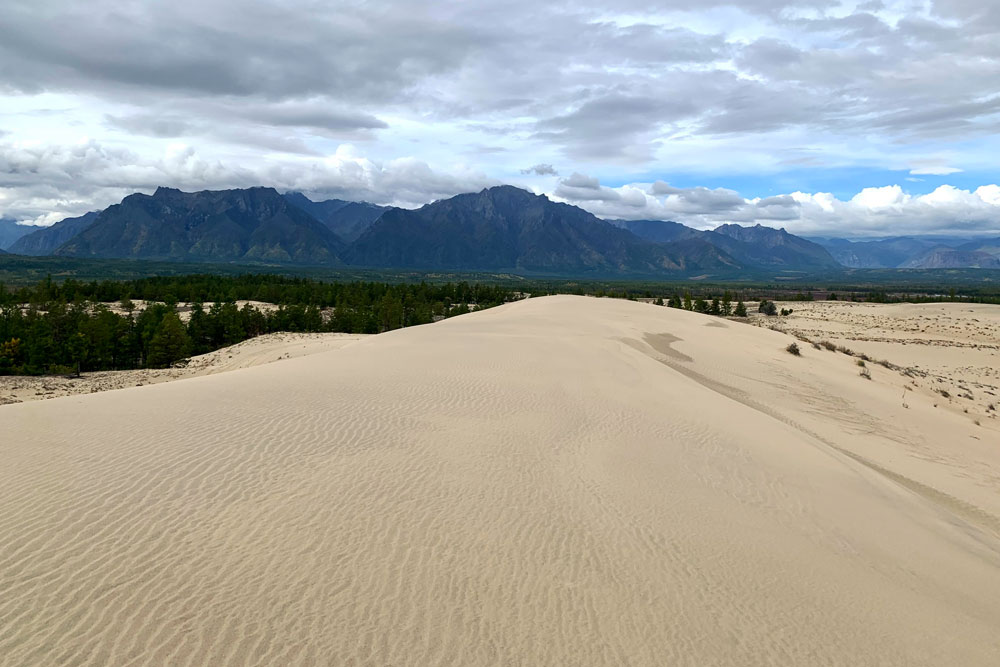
(69, 327)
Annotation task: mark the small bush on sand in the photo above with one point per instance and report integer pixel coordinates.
(860, 362)
(793, 348)
(866, 374)
(828, 345)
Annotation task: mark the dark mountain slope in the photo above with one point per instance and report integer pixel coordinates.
(661, 231)
(508, 228)
(774, 248)
(255, 224)
(45, 240)
(346, 219)
(10, 232)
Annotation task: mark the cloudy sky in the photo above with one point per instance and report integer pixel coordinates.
(825, 117)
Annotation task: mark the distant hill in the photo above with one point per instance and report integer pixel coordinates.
(761, 247)
(943, 257)
(45, 240)
(254, 224)
(990, 246)
(11, 231)
(347, 219)
(912, 252)
(508, 228)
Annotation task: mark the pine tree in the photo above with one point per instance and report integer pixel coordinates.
(170, 343)
(741, 310)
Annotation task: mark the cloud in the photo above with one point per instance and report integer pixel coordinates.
(45, 183)
(640, 91)
(541, 169)
(881, 211)
(934, 171)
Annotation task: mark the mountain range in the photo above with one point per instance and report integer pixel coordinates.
(749, 246)
(502, 228)
(908, 252)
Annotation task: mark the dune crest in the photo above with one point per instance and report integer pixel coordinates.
(561, 480)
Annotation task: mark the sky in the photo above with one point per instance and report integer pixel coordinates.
(825, 117)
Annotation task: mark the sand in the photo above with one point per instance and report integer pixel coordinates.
(950, 350)
(265, 349)
(558, 481)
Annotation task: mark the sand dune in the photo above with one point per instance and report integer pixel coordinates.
(559, 481)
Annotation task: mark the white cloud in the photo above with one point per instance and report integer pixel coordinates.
(42, 183)
(935, 171)
(884, 211)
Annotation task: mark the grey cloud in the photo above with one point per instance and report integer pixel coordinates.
(231, 48)
(577, 180)
(168, 125)
(698, 199)
(595, 88)
(664, 188)
(614, 126)
(582, 188)
(314, 114)
(152, 125)
(779, 200)
(541, 169)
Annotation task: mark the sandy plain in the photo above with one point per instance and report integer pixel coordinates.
(559, 481)
(951, 350)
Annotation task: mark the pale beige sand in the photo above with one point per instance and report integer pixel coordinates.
(253, 352)
(946, 347)
(558, 481)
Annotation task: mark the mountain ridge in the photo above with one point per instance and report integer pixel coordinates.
(221, 225)
(503, 228)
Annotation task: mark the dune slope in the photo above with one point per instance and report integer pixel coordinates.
(556, 481)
